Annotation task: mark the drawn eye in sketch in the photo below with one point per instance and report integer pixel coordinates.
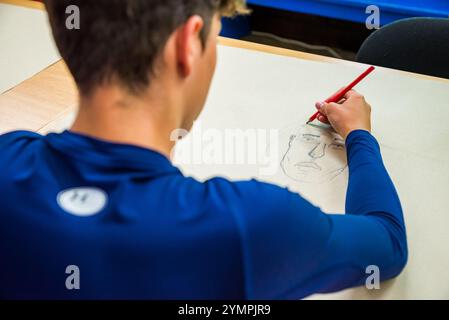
(314, 154)
(306, 137)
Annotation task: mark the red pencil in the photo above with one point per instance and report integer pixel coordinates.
(341, 93)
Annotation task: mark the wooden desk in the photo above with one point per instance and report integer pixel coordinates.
(29, 48)
(36, 102)
(25, 3)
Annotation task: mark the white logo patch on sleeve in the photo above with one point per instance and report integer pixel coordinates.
(82, 201)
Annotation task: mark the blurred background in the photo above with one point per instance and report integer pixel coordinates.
(335, 28)
(408, 35)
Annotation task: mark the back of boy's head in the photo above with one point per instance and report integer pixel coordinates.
(119, 40)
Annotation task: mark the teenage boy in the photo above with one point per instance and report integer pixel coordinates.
(99, 211)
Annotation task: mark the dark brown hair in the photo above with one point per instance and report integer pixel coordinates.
(119, 40)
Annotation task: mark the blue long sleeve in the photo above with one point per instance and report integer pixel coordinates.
(292, 249)
(161, 235)
(371, 192)
(374, 209)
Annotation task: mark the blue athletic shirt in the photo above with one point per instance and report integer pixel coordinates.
(157, 234)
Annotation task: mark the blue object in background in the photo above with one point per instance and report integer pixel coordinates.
(235, 27)
(354, 10)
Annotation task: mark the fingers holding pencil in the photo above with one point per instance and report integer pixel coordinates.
(339, 95)
(322, 118)
(353, 114)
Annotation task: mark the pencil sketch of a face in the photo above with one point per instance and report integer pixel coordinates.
(315, 154)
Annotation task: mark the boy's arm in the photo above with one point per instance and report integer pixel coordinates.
(291, 249)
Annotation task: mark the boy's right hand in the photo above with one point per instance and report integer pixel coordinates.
(352, 114)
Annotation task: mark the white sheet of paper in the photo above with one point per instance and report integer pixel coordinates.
(27, 46)
(253, 90)
(410, 117)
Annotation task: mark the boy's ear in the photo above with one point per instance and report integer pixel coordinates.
(189, 44)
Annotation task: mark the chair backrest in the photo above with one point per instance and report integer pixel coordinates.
(418, 45)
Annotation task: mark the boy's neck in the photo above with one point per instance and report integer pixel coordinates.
(114, 116)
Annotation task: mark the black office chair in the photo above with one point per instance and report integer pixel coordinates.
(418, 45)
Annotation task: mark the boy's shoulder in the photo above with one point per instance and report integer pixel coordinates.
(14, 136)
(13, 142)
